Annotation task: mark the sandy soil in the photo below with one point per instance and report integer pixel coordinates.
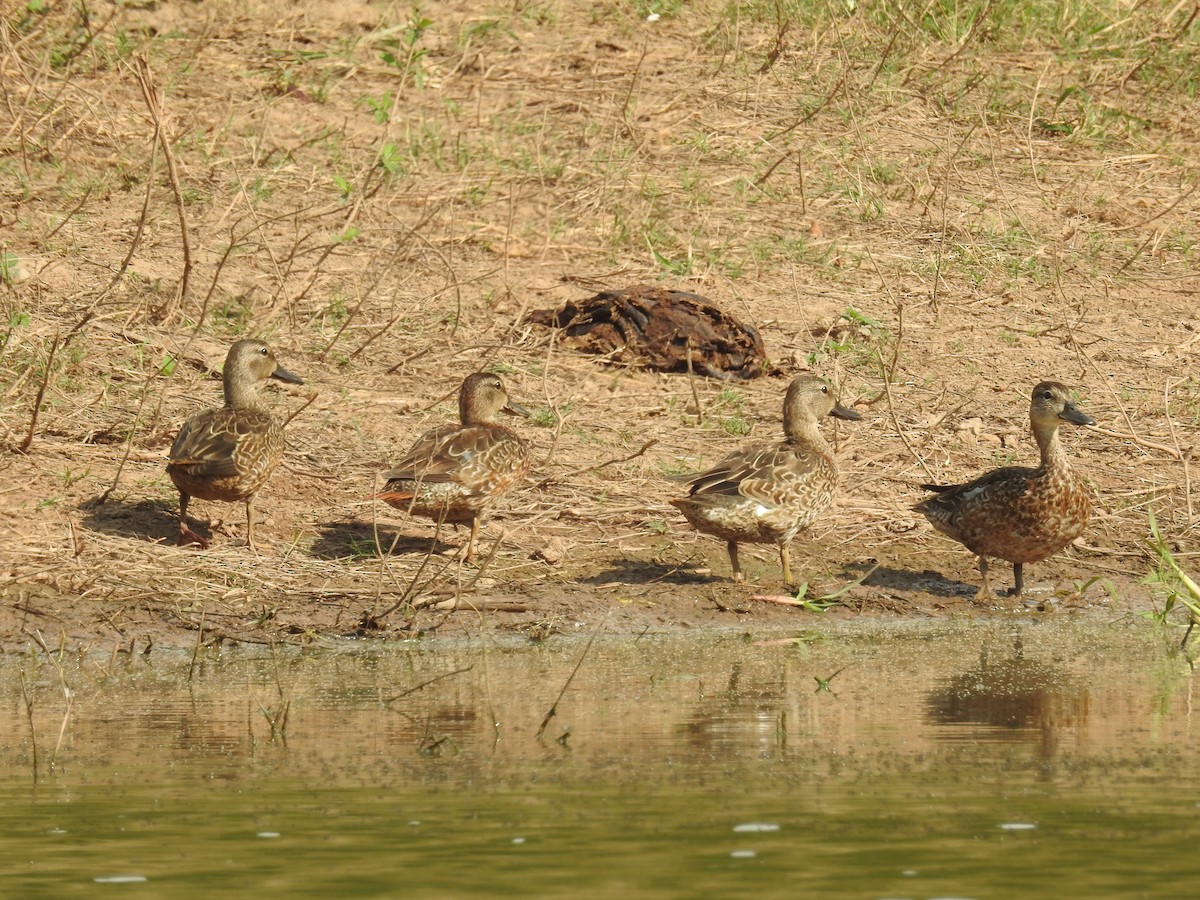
(933, 224)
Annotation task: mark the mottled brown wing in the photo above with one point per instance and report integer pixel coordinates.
(757, 472)
(1005, 485)
(452, 452)
(210, 443)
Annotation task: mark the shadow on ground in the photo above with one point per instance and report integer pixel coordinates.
(633, 571)
(926, 581)
(143, 520)
(343, 540)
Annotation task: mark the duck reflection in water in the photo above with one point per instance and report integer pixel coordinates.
(1011, 694)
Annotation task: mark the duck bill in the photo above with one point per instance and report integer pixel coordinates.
(284, 375)
(516, 409)
(1072, 413)
(845, 412)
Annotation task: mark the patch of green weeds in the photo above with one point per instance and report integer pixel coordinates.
(361, 548)
(858, 339)
(729, 412)
(233, 315)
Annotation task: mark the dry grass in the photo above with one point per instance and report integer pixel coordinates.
(936, 210)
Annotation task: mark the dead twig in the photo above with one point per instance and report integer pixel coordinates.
(154, 103)
(611, 462)
(41, 394)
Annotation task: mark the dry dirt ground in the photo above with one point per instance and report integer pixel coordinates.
(934, 208)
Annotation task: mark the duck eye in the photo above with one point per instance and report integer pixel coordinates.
(824, 389)
(263, 350)
(1047, 395)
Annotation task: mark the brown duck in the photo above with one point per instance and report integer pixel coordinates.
(764, 494)
(1016, 513)
(453, 473)
(228, 454)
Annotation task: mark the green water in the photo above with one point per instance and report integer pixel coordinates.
(982, 760)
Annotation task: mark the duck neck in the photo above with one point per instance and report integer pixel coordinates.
(1054, 457)
(805, 432)
(240, 393)
(468, 413)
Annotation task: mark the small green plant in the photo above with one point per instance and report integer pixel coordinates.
(70, 476)
(678, 267)
(380, 107)
(10, 269)
(543, 417)
(1169, 576)
(391, 159)
(811, 604)
(1080, 588)
(402, 53)
(825, 601)
(261, 189)
(823, 683)
(361, 548)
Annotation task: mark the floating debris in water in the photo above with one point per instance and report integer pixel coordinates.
(756, 826)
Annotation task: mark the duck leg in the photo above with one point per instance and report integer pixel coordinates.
(985, 592)
(186, 535)
(1018, 579)
(732, 547)
(785, 562)
(471, 540)
(250, 523)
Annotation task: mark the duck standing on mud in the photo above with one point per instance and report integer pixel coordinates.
(766, 493)
(453, 473)
(228, 454)
(1015, 513)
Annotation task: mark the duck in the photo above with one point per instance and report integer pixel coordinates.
(455, 472)
(766, 493)
(1015, 513)
(228, 454)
